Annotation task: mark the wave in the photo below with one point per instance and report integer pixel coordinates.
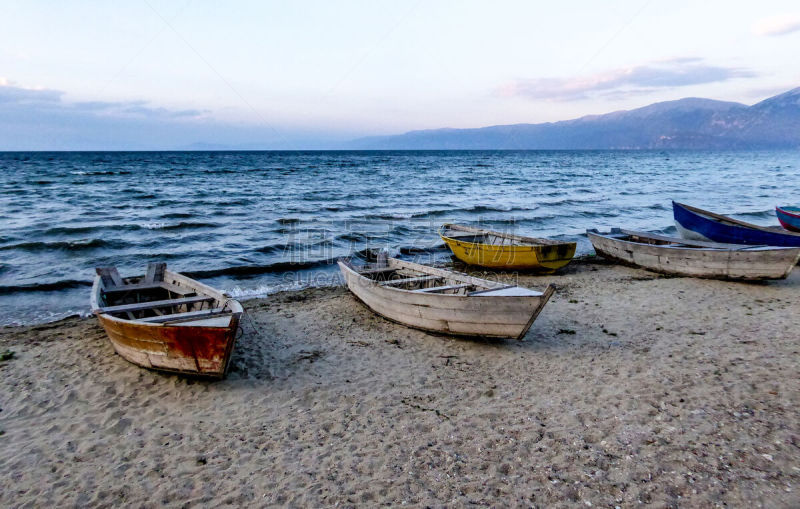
(77, 245)
(357, 237)
(295, 246)
(100, 172)
(73, 230)
(574, 201)
(39, 317)
(272, 248)
(183, 225)
(411, 250)
(44, 287)
(68, 230)
(477, 209)
(252, 270)
(761, 214)
(387, 217)
(231, 203)
(176, 215)
(260, 291)
(521, 220)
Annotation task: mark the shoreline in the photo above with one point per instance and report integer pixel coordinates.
(630, 387)
(277, 289)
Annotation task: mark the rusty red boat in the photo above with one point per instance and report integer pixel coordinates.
(167, 321)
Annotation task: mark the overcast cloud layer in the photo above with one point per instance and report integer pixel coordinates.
(40, 119)
(632, 80)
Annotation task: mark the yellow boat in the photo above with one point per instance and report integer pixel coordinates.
(497, 250)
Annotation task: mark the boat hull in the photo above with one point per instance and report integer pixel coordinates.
(201, 347)
(749, 264)
(506, 251)
(789, 218)
(697, 224)
(195, 350)
(460, 315)
(536, 258)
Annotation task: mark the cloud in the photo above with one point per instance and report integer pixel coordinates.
(777, 25)
(680, 72)
(10, 94)
(42, 100)
(41, 119)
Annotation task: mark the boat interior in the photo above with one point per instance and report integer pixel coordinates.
(477, 236)
(653, 241)
(416, 281)
(660, 240)
(729, 221)
(151, 299)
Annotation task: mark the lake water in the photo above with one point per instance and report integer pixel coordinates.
(256, 222)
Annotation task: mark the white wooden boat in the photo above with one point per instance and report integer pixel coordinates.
(670, 255)
(166, 321)
(443, 301)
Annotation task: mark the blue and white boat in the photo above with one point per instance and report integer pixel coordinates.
(789, 217)
(698, 224)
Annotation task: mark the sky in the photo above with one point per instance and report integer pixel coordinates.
(147, 74)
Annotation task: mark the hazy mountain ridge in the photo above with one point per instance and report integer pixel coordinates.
(690, 123)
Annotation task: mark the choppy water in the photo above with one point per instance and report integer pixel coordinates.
(254, 222)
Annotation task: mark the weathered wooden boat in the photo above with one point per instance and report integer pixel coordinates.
(499, 250)
(444, 301)
(166, 321)
(699, 224)
(789, 217)
(670, 255)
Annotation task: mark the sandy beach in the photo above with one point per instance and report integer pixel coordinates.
(631, 388)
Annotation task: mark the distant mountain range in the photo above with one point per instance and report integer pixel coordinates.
(690, 123)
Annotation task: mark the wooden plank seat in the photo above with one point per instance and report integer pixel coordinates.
(435, 289)
(379, 270)
(185, 317)
(420, 279)
(509, 291)
(490, 290)
(153, 279)
(149, 286)
(141, 306)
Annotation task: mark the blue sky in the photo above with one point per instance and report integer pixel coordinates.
(308, 74)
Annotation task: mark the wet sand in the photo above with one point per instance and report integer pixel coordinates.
(631, 388)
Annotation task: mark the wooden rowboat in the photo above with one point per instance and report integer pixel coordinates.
(166, 321)
(498, 250)
(789, 217)
(443, 301)
(699, 224)
(670, 255)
